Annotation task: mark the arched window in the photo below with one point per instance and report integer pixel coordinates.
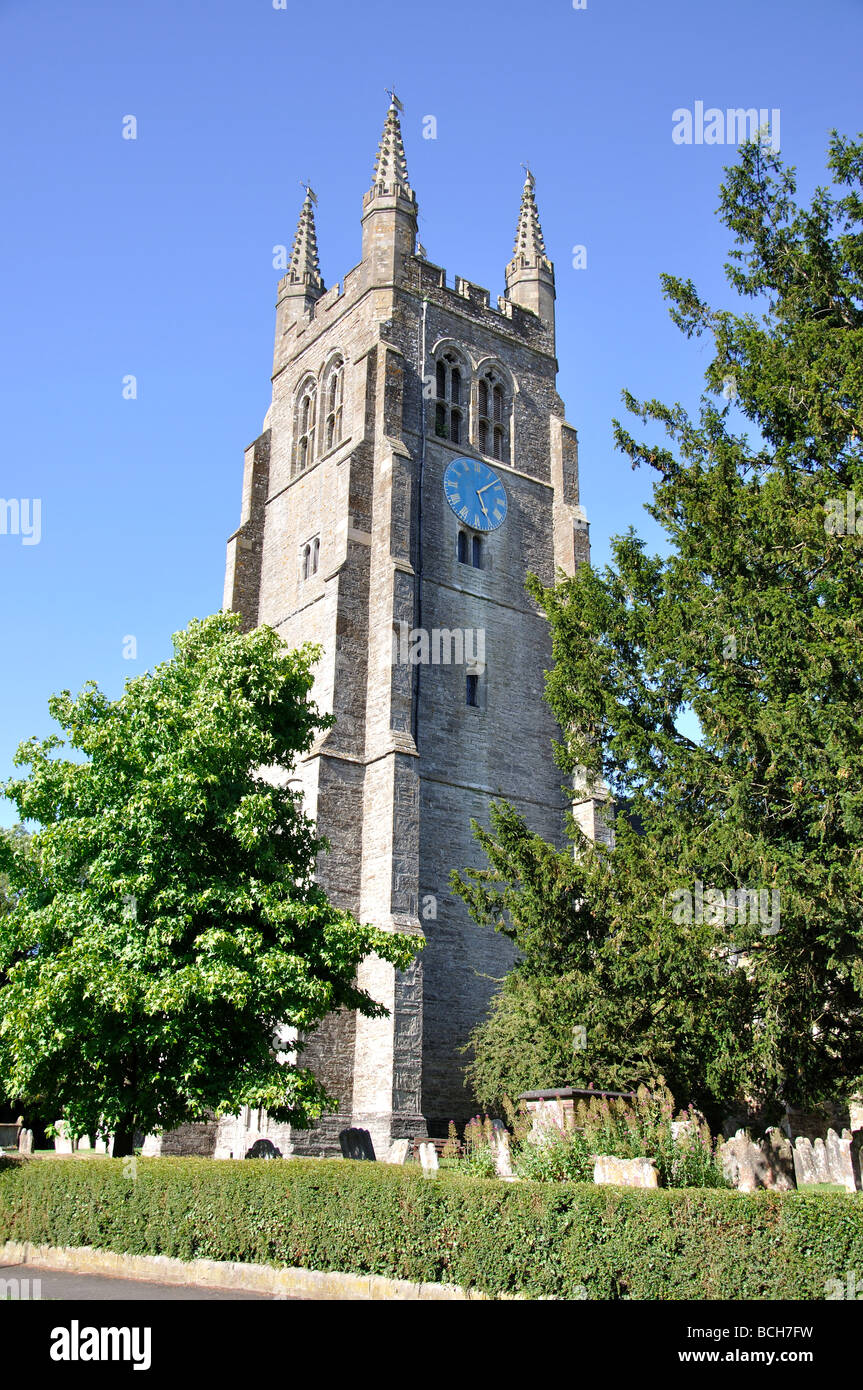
(493, 416)
(333, 399)
(310, 557)
(476, 552)
(304, 427)
(449, 406)
(461, 549)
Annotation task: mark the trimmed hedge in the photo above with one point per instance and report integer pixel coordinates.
(535, 1239)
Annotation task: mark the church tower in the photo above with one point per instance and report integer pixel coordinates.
(414, 465)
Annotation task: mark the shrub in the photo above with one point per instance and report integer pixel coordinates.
(541, 1240)
(641, 1128)
(475, 1156)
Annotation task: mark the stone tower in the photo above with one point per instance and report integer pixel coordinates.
(355, 536)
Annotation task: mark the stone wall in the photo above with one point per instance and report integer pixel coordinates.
(394, 784)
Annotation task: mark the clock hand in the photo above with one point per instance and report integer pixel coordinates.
(481, 490)
(482, 504)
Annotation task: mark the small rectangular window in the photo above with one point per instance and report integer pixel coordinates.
(472, 692)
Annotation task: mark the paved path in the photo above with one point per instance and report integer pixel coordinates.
(95, 1288)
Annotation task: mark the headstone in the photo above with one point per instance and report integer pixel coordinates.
(357, 1143)
(625, 1172)
(682, 1130)
(739, 1159)
(753, 1165)
(428, 1156)
(62, 1143)
(822, 1163)
(548, 1120)
(263, 1148)
(840, 1160)
(804, 1162)
(834, 1160)
(25, 1141)
(779, 1156)
(500, 1149)
(84, 1142)
(399, 1150)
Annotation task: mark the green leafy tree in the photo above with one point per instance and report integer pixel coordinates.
(752, 621)
(166, 921)
(606, 990)
(18, 837)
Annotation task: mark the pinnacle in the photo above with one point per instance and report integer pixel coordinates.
(391, 170)
(304, 268)
(529, 242)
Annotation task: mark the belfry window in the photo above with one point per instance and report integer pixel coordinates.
(493, 417)
(333, 397)
(304, 428)
(449, 405)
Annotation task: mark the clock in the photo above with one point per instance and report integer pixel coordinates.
(475, 493)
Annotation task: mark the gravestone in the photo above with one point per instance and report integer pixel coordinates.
(840, 1162)
(751, 1165)
(742, 1162)
(681, 1130)
(399, 1150)
(357, 1143)
(500, 1149)
(63, 1144)
(263, 1148)
(829, 1162)
(428, 1156)
(779, 1155)
(804, 1162)
(25, 1141)
(625, 1172)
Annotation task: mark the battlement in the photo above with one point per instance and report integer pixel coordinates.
(297, 333)
(429, 280)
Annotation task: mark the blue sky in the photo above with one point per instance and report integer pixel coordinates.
(153, 257)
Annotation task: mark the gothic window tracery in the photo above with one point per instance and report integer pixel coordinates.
(333, 403)
(493, 411)
(304, 428)
(449, 403)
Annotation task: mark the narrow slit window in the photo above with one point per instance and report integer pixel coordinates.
(461, 549)
(472, 691)
(476, 552)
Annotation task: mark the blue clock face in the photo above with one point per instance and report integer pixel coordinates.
(475, 493)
